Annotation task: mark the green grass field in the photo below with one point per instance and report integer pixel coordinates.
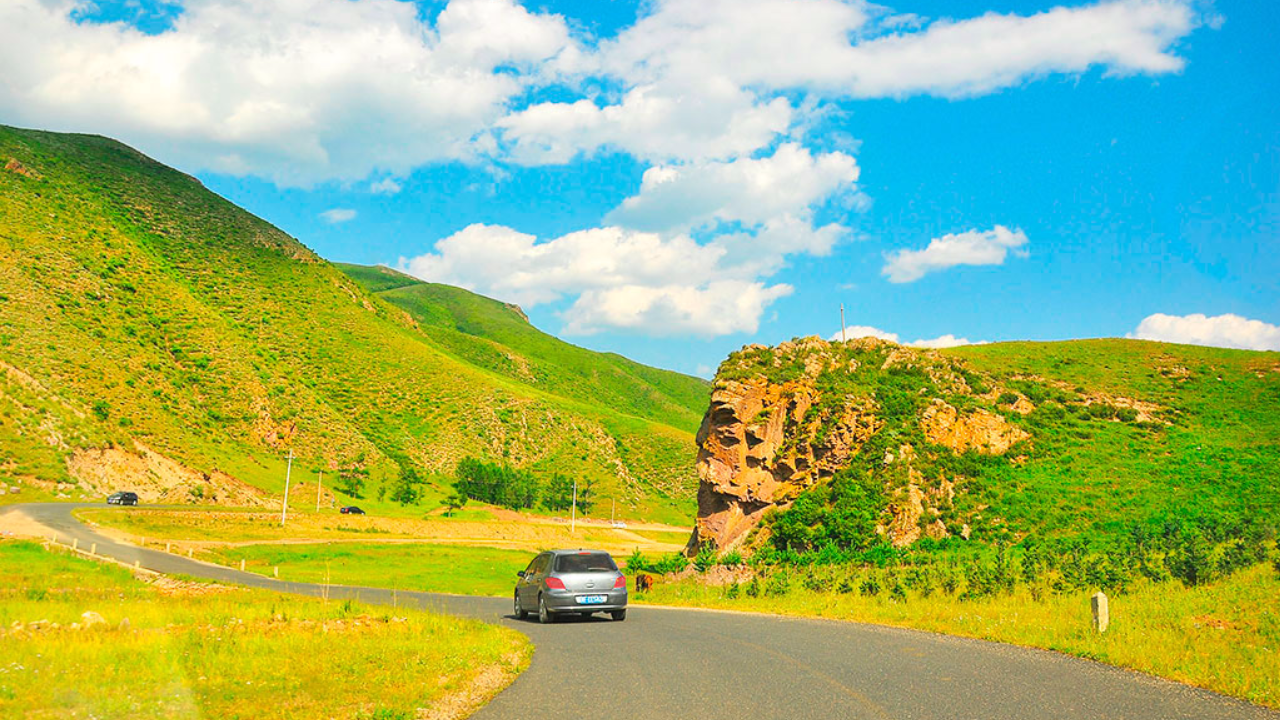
(182, 649)
(455, 569)
(1224, 636)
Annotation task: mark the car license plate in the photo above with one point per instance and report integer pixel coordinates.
(591, 599)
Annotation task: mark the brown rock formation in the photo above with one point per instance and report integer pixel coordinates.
(746, 462)
(979, 430)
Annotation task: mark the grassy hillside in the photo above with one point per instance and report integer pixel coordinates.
(498, 336)
(136, 306)
(1094, 439)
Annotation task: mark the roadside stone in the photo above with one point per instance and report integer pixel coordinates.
(1101, 614)
(124, 624)
(92, 619)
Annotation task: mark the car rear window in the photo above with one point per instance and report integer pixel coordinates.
(585, 562)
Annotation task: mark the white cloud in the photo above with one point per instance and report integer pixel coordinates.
(1230, 331)
(991, 52)
(386, 186)
(746, 190)
(312, 90)
(338, 215)
(296, 91)
(692, 118)
(710, 79)
(720, 307)
(853, 332)
(511, 265)
(622, 279)
(973, 247)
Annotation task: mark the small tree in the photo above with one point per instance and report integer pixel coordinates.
(456, 500)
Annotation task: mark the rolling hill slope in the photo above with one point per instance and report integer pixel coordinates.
(140, 313)
(498, 336)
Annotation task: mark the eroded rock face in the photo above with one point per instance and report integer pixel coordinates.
(980, 430)
(158, 479)
(746, 464)
(783, 420)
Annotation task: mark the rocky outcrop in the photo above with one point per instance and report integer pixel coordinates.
(980, 430)
(158, 479)
(786, 419)
(762, 444)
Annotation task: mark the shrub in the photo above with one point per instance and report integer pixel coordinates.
(753, 588)
(732, 592)
(1007, 398)
(870, 586)
(706, 558)
(731, 558)
(1127, 414)
(845, 586)
(897, 593)
(779, 584)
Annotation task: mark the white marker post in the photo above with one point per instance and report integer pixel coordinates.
(319, 482)
(284, 509)
(843, 337)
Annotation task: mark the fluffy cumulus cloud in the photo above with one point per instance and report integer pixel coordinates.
(974, 247)
(297, 91)
(312, 90)
(621, 279)
(1229, 331)
(853, 332)
(714, 79)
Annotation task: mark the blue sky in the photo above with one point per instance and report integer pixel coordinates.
(673, 180)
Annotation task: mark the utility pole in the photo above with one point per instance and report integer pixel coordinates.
(319, 483)
(573, 515)
(842, 335)
(613, 510)
(284, 509)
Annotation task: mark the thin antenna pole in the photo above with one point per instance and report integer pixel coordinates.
(843, 338)
(573, 517)
(319, 483)
(284, 509)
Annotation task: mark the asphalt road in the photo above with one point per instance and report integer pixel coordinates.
(678, 664)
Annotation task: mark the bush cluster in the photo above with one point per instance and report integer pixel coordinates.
(505, 486)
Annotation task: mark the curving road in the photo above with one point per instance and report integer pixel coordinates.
(668, 663)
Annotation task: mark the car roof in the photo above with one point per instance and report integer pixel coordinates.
(577, 552)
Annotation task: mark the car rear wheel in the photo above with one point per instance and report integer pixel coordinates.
(521, 613)
(544, 615)
(618, 615)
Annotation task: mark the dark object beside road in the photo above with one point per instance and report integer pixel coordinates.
(123, 498)
(351, 510)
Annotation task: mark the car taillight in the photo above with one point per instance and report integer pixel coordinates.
(555, 583)
(620, 583)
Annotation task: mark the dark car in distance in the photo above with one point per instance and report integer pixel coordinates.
(123, 498)
(351, 510)
(564, 582)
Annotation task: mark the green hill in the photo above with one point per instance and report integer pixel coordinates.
(498, 336)
(138, 307)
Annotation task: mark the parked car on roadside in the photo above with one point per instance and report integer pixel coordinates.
(123, 497)
(351, 510)
(564, 582)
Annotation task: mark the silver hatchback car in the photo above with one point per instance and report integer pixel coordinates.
(561, 582)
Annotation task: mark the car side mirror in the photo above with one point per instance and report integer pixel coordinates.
(520, 574)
